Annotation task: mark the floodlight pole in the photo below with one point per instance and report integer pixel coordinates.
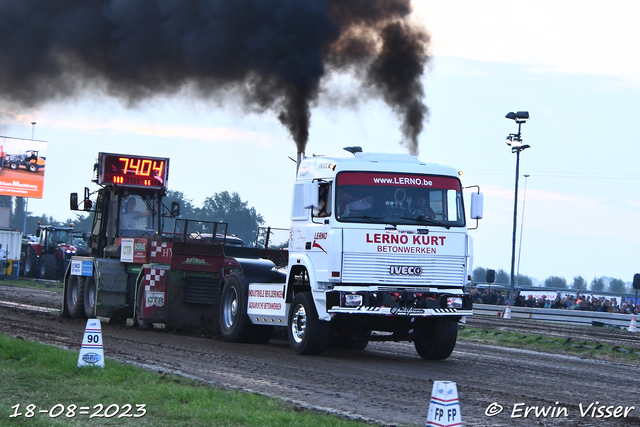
(515, 221)
(516, 147)
(524, 199)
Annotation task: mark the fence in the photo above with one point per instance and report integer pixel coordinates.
(578, 317)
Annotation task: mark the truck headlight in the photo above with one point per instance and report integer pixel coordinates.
(352, 300)
(454, 302)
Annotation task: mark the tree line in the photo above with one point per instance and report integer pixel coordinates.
(598, 284)
(242, 220)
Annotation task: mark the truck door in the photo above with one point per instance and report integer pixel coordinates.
(319, 236)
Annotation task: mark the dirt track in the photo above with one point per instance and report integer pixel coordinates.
(387, 382)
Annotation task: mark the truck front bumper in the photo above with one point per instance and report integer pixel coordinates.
(399, 303)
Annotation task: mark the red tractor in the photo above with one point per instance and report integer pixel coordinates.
(49, 256)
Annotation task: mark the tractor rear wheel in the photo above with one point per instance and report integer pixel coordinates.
(32, 167)
(31, 263)
(74, 296)
(48, 267)
(90, 297)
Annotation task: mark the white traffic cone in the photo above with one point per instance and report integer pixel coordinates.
(444, 409)
(91, 352)
(507, 312)
(633, 326)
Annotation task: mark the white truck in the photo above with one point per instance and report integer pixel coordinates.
(378, 250)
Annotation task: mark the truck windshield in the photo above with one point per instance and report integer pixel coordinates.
(138, 215)
(399, 199)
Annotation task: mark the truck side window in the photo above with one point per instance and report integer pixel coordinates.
(324, 200)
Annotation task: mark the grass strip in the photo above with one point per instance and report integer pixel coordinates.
(549, 344)
(48, 378)
(48, 285)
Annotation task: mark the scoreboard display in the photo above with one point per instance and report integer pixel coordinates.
(133, 171)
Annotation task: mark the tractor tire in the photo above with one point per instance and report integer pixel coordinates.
(48, 267)
(13, 165)
(90, 297)
(139, 305)
(31, 263)
(32, 167)
(74, 296)
(307, 333)
(235, 325)
(438, 339)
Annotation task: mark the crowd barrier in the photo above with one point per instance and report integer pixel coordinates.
(579, 317)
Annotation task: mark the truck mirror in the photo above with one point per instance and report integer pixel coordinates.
(175, 209)
(477, 205)
(311, 189)
(491, 276)
(88, 204)
(73, 201)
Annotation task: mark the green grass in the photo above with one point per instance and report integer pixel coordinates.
(550, 344)
(46, 376)
(49, 285)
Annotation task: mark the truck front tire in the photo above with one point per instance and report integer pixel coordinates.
(307, 333)
(235, 325)
(438, 339)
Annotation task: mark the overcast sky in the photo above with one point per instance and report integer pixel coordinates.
(571, 64)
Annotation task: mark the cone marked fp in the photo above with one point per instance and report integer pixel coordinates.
(444, 409)
(507, 312)
(91, 352)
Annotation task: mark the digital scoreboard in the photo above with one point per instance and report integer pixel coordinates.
(133, 171)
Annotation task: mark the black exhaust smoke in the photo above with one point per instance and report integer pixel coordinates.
(273, 53)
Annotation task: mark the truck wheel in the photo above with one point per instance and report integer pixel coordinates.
(30, 264)
(13, 165)
(74, 296)
(90, 297)
(307, 333)
(235, 325)
(48, 267)
(438, 339)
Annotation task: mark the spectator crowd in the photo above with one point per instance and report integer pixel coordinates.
(567, 302)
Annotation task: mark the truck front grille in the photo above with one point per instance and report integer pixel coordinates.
(437, 271)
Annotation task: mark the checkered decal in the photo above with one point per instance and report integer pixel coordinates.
(153, 276)
(156, 248)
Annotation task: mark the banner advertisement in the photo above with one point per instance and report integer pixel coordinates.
(22, 164)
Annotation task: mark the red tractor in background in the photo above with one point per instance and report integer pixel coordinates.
(49, 256)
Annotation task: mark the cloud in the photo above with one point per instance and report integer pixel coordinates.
(166, 131)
